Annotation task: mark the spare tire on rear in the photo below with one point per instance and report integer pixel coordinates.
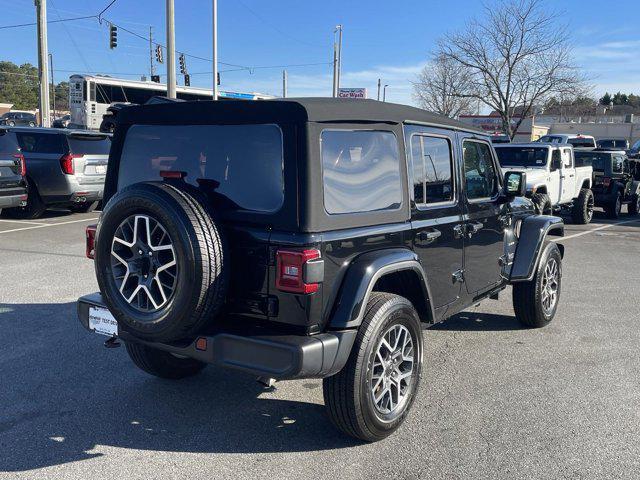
(160, 261)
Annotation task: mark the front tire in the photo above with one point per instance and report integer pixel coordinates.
(582, 211)
(542, 203)
(535, 302)
(162, 364)
(371, 396)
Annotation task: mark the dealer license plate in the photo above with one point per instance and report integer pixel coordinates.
(101, 321)
(101, 169)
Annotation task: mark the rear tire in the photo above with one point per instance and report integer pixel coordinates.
(530, 299)
(34, 209)
(613, 209)
(162, 364)
(349, 395)
(542, 203)
(582, 211)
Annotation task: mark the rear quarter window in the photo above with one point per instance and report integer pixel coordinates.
(45, 143)
(360, 171)
(240, 167)
(8, 143)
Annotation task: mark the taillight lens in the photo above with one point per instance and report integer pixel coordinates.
(23, 164)
(66, 163)
(291, 269)
(91, 241)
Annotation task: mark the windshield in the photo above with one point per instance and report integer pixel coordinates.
(240, 167)
(90, 145)
(523, 156)
(591, 159)
(582, 142)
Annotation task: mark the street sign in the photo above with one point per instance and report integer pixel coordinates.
(352, 93)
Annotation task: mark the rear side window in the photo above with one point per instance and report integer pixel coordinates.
(360, 171)
(89, 145)
(41, 143)
(432, 169)
(239, 166)
(8, 143)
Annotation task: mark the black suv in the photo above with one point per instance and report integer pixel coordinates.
(306, 238)
(616, 180)
(12, 119)
(13, 170)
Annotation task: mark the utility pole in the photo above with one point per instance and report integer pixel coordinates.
(152, 70)
(379, 89)
(284, 83)
(337, 58)
(215, 49)
(43, 53)
(171, 50)
(53, 85)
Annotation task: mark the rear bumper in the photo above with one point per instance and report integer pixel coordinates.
(275, 356)
(12, 201)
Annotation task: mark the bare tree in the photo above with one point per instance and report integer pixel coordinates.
(440, 87)
(517, 55)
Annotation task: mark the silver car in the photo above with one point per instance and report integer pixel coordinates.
(65, 168)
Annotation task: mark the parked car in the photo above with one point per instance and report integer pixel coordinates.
(62, 122)
(13, 185)
(64, 168)
(614, 183)
(281, 238)
(578, 141)
(12, 119)
(553, 180)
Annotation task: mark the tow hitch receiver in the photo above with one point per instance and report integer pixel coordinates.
(112, 342)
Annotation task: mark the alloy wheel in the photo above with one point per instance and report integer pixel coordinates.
(143, 262)
(550, 285)
(392, 370)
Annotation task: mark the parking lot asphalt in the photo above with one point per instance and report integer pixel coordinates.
(496, 400)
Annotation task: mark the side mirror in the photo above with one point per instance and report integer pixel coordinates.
(515, 184)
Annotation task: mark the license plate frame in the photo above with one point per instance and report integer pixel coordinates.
(101, 321)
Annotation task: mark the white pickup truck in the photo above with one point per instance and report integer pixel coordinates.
(553, 180)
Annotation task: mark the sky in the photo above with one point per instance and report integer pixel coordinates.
(389, 39)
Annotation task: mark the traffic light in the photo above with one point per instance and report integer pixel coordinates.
(159, 54)
(155, 78)
(187, 80)
(113, 36)
(183, 64)
(218, 78)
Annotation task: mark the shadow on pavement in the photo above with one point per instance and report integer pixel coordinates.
(473, 321)
(63, 396)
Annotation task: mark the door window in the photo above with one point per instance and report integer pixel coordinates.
(479, 170)
(567, 162)
(617, 164)
(432, 167)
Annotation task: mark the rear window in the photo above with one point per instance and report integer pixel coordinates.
(595, 160)
(360, 171)
(582, 142)
(89, 145)
(8, 143)
(615, 144)
(240, 166)
(522, 156)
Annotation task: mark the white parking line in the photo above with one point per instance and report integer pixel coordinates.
(603, 227)
(28, 222)
(48, 225)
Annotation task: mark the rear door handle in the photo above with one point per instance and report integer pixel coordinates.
(474, 227)
(428, 235)
(458, 231)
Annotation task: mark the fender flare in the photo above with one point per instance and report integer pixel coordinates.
(533, 233)
(361, 277)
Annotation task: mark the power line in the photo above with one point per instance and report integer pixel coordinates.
(32, 24)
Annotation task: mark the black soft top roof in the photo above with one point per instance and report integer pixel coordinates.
(289, 110)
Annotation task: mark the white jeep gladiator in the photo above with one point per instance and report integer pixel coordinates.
(553, 180)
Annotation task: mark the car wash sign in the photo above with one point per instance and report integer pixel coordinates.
(352, 93)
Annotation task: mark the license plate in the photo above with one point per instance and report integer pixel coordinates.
(101, 321)
(101, 169)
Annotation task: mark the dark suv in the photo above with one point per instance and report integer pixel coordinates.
(12, 119)
(616, 180)
(309, 238)
(13, 185)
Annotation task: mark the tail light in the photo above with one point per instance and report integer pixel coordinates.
(66, 163)
(299, 271)
(23, 164)
(91, 241)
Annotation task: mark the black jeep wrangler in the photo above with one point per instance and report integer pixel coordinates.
(309, 238)
(616, 180)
